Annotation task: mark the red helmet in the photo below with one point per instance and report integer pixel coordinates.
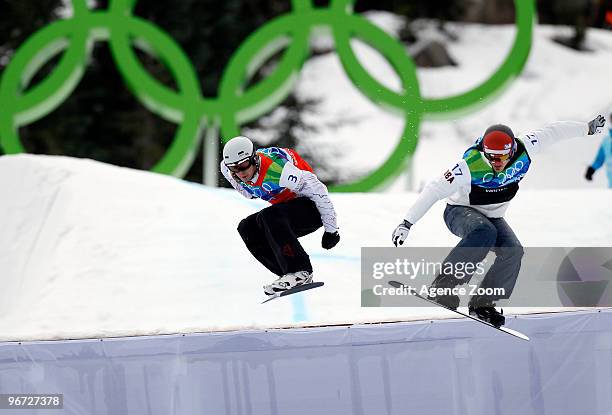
(498, 140)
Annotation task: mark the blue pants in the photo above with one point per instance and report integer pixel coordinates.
(479, 235)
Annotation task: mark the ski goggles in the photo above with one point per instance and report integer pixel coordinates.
(240, 166)
(498, 157)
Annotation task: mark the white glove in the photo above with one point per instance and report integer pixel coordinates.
(401, 233)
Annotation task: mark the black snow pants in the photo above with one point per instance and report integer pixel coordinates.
(271, 234)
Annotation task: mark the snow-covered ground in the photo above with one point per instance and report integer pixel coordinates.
(91, 250)
(557, 83)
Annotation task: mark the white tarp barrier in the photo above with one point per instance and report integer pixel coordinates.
(441, 367)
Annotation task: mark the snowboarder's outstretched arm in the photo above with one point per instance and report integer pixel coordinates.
(306, 184)
(455, 179)
(541, 139)
(228, 176)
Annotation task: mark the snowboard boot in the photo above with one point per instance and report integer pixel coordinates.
(287, 281)
(445, 281)
(485, 310)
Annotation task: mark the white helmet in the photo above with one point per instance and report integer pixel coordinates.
(237, 149)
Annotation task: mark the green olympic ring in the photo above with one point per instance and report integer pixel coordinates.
(234, 106)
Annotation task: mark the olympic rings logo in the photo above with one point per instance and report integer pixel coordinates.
(510, 172)
(233, 106)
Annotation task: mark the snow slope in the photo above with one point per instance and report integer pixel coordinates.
(92, 250)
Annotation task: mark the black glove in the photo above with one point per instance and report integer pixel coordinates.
(596, 124)
(330, 240)
(589, 173)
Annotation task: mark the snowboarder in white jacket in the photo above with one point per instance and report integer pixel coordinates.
(478, 189)
(300, 206)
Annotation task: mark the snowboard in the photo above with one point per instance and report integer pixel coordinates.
(506, 330)
(293, 290)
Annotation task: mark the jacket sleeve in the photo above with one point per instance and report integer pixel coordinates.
(306, 184)
(228, 176)
(455, 179)
(539, 140)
